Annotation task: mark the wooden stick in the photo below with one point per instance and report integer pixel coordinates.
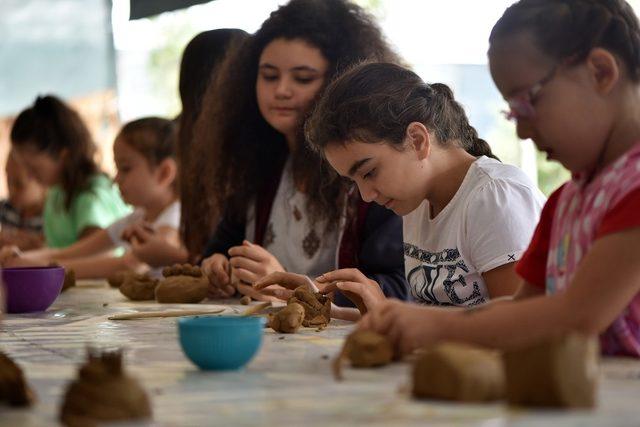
(255, 308)
(168, 313)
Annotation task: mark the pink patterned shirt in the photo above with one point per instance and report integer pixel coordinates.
(578, 214)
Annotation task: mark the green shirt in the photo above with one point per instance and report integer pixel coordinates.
(97, 206)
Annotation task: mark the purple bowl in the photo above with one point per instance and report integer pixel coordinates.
(30, 289)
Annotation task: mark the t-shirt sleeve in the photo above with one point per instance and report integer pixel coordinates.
(170, 217)
(501, 218)
(532, 266)
(115, 230)
(624, 215)
(92, 208)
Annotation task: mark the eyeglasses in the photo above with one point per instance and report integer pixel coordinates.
(521, 105)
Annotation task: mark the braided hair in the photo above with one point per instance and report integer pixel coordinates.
(376, 102)
(571, 28)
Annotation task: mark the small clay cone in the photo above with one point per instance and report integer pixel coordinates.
(14, 389)
(103, 392)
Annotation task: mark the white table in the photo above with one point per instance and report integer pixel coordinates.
(288, 383)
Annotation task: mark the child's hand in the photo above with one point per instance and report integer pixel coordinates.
(137, 231)
(362, 291)
(408, 326)
(281, 284)
(252, 262)
(216, 269)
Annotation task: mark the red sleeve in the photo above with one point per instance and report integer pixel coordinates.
(626, 214)
(532, 266)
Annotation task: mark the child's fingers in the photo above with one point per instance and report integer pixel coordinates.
(343, 275)
(245, 275)
(278, 292)
(250, 250)
(244, 263)
(286, 280)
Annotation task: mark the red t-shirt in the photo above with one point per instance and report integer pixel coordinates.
(533, 264)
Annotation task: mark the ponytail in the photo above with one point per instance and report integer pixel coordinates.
(375, 102)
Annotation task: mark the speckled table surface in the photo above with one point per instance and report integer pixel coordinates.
(288, 383)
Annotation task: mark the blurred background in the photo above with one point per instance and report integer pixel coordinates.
(116, 60)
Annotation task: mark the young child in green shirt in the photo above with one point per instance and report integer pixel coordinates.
(56, 147)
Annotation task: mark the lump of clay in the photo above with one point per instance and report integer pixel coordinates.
(364, 349)
(69, 279)
(245, 300)
(288, 319)
(459, 372)
(103, 392)
(13, 387)
(139, 287)
(183, 284)
(560, 372)
(117, 279)
(317, 307)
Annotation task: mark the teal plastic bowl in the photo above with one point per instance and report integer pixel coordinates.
(220, 343)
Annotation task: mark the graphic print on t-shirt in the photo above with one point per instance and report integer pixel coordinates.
(439, 279)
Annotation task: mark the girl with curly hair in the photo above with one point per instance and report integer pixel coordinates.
(282, 207)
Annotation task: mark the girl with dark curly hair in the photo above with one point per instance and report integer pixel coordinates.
(283, 208)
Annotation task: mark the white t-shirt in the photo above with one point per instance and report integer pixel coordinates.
(289, 236)
(170, 217)
(488, 223)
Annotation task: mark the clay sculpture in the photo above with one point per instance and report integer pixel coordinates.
(561, 372)
(139, 287)
(183, 284)
(317, 307)
(14, 390)
(364, 349)
(103, 392)
(287, 320)
(459, 372)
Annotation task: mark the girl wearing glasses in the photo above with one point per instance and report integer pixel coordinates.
(408, 146)
(570, 70)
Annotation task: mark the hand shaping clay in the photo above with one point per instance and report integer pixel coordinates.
(288, 319)
(138, 287)
(317, 307)
(560, 372)
(459, 372)
(365, 349)
(13, 387)
(103, 392)
(183, 284)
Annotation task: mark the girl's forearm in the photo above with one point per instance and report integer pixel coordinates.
(507, 325)
(100, 267)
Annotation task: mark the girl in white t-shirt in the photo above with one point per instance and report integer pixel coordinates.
(407, 145)
(144, 152)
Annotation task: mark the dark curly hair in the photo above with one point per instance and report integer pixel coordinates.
(244, 152)
(200, 59)
(375, 102)
(51, 126)
(571, 28)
